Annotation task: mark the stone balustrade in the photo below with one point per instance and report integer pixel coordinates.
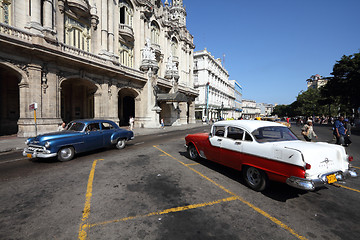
(15, 32)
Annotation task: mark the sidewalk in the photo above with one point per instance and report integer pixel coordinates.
(14, 143)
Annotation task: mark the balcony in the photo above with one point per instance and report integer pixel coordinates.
(126, 32)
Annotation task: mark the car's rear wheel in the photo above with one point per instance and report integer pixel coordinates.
(66, 154)
(255, 178)
(193, 153)
(120, 144)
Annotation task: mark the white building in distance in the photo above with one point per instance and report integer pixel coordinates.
(316, 81)
(216, 93)
(250, 110)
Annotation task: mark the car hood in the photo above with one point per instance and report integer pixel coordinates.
(54, 135)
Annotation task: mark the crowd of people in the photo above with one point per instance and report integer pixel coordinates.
(341, 130)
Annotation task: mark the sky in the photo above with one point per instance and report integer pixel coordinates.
(272, 46)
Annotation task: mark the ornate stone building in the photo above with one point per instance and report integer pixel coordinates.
(108, 59)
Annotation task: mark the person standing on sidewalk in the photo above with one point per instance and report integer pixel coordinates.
(131, 123)
(347, 126)
(340, 131)
(308, 131)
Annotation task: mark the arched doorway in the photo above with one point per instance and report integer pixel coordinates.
(126, 105)
(77, 99)
(9, 101)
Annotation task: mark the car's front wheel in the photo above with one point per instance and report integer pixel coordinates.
(66, 154)
(193, 153)
(120, 143)
(255, 178)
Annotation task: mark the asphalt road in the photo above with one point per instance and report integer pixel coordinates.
(152, 190)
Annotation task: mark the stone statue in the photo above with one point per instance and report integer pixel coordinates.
(148, 53)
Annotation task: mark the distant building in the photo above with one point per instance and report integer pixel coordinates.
(265, 109)
(216, 93)
(238, 100)
(250, 110)
(316, 81)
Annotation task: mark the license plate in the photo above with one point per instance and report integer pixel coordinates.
(331, 178)
(29, 155)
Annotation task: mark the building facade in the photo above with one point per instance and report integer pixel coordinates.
(316, 81)
(216, 93)
(109, 59)
(250, 110)
(265, 109)
(238, 99)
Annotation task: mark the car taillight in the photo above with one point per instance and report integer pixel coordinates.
(307, 166)
(350, 158)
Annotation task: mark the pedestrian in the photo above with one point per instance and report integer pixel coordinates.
(62, 127)
(308, 131)
(347, 126)
(340, 131)
(131, 123)
(162, 123)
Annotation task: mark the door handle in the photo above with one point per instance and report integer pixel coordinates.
(237, 143)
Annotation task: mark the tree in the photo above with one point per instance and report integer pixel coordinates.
(344, 86)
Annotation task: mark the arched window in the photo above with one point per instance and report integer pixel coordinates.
(126, 13)
(155, 33)
(126, 54)
(174, 47)
(5, 11)
(77, 34)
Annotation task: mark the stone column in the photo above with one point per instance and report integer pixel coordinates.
(111, 8)
(29, 93)
(113, 103)
(97, 104)
(104, 25)
(35, 17)
(183, 113)
(192, 112)
(59, 25)
(47, 14)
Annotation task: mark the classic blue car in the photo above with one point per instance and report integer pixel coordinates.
(79, 136)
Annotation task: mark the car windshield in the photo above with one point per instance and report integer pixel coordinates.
(273, 134)
(76, 126)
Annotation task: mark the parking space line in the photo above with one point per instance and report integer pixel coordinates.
(342, 186)
(166, 211)
(265, 214)
(86, 213)
(192, 164)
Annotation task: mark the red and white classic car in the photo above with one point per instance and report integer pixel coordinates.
(266, 151)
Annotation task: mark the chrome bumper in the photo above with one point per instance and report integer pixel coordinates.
(312, 184)
(34, 154)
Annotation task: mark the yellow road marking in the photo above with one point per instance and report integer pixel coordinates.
(352, 189)
(166, 211)
(192, 164)
(265, 214)
(356, 167)
(86, 213)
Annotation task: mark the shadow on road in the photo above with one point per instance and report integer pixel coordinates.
(276, 191)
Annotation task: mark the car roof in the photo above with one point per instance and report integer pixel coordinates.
(249, 125)
(85, 121)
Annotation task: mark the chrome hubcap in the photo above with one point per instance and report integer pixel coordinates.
(253, 175)
(65, 153)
